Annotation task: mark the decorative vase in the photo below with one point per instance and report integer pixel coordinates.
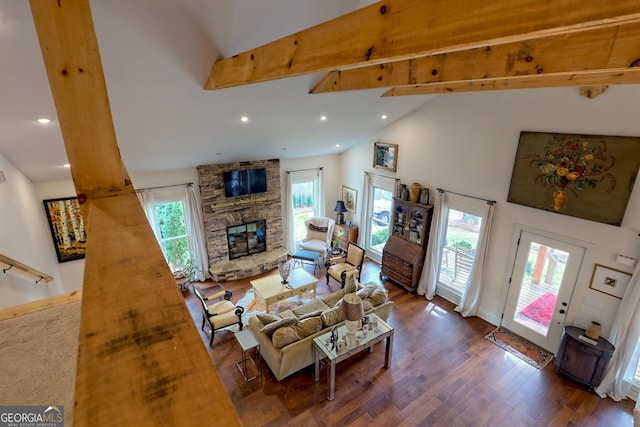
(414, 195)
(284, 269)
(424, 196)
(401, 190)
(405, 193)
(594, 330)
(559, 199)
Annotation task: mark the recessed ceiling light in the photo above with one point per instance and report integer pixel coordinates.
(323, 118)
(384, 117)
(244, 119)
(337, 145)
(43, 121)
(66, 165)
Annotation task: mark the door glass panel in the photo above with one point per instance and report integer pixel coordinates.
(458, 252)
(539, 288)
(382, 202)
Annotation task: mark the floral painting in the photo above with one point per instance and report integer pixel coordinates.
(586, 176)
(67, 228)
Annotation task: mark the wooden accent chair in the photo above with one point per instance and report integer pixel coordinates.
(340, 268)
(221, 313)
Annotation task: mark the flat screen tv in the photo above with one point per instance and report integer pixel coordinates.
(246, 181)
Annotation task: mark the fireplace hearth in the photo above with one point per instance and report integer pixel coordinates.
(247, 239)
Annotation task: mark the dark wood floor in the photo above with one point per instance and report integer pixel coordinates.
(443, 373)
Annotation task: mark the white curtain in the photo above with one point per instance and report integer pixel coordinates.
(148, 201)
(289, 223)
(365, 226)
(195, 232)
(429, 276)
(625, 336)
(470, 300)
(471, 296)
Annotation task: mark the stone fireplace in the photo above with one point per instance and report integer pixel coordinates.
(220, 213)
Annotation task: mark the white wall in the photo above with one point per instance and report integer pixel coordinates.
(467, 143)
(24, 237)
(70, 274)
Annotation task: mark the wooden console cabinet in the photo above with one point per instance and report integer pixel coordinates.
(345, 234)
(403, 254)
(580, 360)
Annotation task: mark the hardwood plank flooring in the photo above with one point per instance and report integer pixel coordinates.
(443, 373)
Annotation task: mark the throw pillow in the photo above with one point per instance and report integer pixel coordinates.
(274, 326)
(312, 314)
(314, 305)
(364, 293)
(351, 284)
(267, 318)
(331, 316)
(378, 297)
(314, 227)
(290, 334)
(332, 298)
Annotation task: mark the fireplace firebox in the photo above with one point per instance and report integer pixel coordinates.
(247, 239)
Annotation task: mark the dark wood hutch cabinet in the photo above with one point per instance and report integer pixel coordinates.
(403, 254)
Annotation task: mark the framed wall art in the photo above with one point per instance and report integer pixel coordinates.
(585, 176)
(385, 156)
(609, 281)
(350, 197)
(67, 228)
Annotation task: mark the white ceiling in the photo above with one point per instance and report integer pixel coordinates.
(156, 56)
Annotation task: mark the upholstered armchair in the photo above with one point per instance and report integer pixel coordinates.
(319, 234)
(219, 314)
(343, 267)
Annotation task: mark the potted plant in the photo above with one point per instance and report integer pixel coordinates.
(184, 271)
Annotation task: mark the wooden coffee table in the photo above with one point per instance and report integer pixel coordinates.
(270, 288)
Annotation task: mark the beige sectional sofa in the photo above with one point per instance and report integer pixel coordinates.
(286, 338)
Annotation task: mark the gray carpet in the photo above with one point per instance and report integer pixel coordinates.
(38, 354)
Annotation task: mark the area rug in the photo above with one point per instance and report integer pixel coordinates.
(541, 309)
(521, 348)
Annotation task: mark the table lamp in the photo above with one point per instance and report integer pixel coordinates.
(352, 311)
(341, 209)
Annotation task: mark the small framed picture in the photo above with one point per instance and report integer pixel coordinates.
(385, 156)
(350, 198)
(609, 281)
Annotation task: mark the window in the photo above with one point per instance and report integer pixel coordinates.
(304, 200)
(458, 248)
(303, 207)
(173, 233)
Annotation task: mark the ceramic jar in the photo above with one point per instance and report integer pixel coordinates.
(404, 192)
(594, 330)
(414, 192)
(424, 196)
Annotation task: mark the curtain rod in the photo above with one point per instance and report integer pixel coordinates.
(383, 176)
(303, 170)
(491, 202)
(186, 184)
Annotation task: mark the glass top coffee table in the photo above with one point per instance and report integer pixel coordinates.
(270, 289)
(323, 348)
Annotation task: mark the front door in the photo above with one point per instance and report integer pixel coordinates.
(544, 275)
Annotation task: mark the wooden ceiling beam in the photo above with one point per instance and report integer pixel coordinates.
(596, 78)
(141, 360)
(394, 30)
(599, 50)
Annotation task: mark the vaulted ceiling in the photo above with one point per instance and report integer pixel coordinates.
(158, 56)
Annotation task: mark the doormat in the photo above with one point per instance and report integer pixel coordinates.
(541, 309)
(521, 348)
